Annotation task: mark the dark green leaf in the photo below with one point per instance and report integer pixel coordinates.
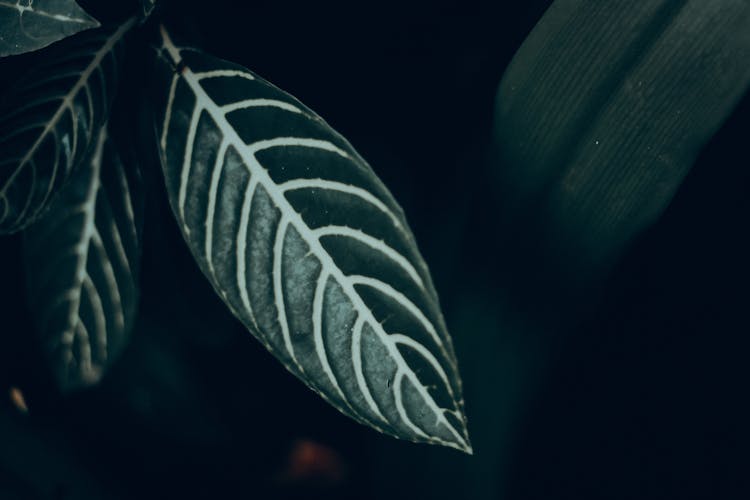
(306, 247)
(82, 267)
(605, 107)
(50, 120)
(27, 25)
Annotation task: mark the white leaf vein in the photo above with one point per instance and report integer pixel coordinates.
(374, 243)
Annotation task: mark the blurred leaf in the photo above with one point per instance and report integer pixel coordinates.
(292, 227)
(604, 109)
(50, 120)
(82, 267)
(27, 25)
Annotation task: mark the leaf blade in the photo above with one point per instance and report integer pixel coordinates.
(599, 126)
(84, 286)
(249, 221)
(44, 139)
(32, 25)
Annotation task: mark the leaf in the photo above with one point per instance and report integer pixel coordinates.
(27, 25)
(51, 119)
(605, 107)
(306, 247)
(82, 265)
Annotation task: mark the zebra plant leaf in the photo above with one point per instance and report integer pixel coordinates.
(27, 25)
(306, 247)
(50, 120)
(82, 265)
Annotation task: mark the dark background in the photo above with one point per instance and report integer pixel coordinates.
(634, 389)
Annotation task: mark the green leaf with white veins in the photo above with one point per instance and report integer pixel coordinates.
(82, 265)
(306, 247)
(51, 118)
(27, 25)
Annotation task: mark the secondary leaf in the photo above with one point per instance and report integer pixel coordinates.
(50, 120)
(306, 247)
(605, 107)
(82, 266)
(27, 25)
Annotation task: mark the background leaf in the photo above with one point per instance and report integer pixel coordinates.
(306, 247)
(82, 262)
(50, 119)
(27, 25)
(603, 111)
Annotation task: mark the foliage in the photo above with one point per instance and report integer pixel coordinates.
(305, 245)
(158, 203)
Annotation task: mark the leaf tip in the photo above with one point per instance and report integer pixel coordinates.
(465, 444)
(469, 448)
